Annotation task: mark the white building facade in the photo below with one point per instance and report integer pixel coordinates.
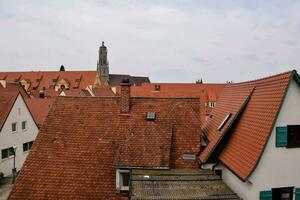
(19, 129)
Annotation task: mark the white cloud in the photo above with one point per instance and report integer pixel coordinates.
(218, 44)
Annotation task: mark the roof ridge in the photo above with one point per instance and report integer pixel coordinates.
(267, 77)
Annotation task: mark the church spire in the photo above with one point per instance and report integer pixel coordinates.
(102, 66)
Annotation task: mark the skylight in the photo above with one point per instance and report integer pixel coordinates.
(224, 121)
(151, 116)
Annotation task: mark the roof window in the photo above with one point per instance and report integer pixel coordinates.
(157, 87)
(151, 116)
(224, 121)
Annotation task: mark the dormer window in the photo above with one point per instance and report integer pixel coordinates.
(122, 180)
(157, 87)
(212, 104)
(224, 121)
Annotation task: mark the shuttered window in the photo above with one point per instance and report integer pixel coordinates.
(281, 136)
(297, 193)
(265, 195)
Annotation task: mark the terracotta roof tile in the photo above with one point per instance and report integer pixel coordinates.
(251, 130)
(39, 108)
(207, 92)
(7, 100)
(232, 101)
(103, 91)
(74, 153)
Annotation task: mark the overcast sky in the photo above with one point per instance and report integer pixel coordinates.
(169, 41)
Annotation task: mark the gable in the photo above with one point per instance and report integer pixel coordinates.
(251, 131)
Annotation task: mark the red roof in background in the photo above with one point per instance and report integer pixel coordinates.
(7, 100)
(178, 90)
(48, 78)
(39, 108)
(75, 93)
(250, 132)
(103, 91)
(206, 91)
(74, 153)
(14, 87)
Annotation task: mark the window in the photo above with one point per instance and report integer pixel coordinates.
(122, 180)
(14, 127)
(151, 116)
(203, 141)
(224, 121)
(288, 136)
(27, 146)
(293, 135)
(7, 153)
(157, 87)
(283, 193)
(212, 104)
(189, 156)
(24, 123)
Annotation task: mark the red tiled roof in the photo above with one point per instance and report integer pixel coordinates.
(77, 79)
(7, 100)
(14, 87)
(39, 108)
(47, 78)
(251, 130)
(207, 92)
(76, 93)
(103, 91)
(232, 101)
(74, 153)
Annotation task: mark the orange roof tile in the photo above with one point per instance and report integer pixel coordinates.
(103, 91)
(207, 92)
(7, 100)
(250, 131)
(74, 153)
(39, 108)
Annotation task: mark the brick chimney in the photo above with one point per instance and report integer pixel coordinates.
(125, 96)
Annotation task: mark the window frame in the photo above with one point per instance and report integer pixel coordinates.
(9, 155)
(224, 121)
(25, 122)
(282, 189)
(16, 123)
(119, 180)
(28, 146)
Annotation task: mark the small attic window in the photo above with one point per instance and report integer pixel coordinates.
(224, 121)
(189, 156)
(151, 116)
(157, 87)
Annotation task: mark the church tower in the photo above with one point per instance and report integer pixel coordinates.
(102, 65)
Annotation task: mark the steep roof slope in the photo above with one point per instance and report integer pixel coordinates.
(251, 130)
(73, 155)
(7, 100)
(39, 108)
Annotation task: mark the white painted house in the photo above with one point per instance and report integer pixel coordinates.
(17, 127)
(252, 138)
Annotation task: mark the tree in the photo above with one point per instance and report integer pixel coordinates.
(62, 68)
